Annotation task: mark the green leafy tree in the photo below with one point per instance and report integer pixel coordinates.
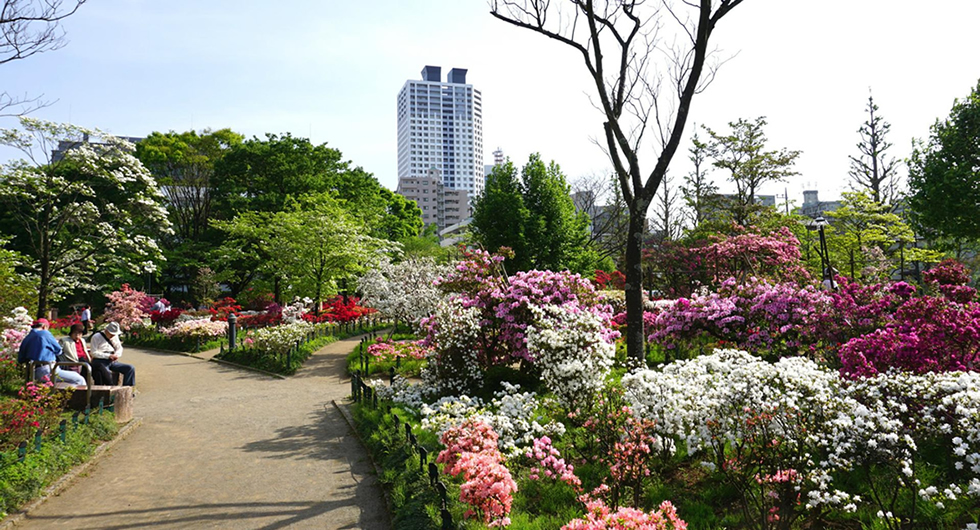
(944, 176)
(311, 246)
(863, 233)
(500, 217)
(556, 234)
(17, 289)
(262, 175)
(535, 216)
(742, 153)
(873, 170)
(183, 166)
(96, 210)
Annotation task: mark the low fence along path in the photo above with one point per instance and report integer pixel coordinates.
(221, 447)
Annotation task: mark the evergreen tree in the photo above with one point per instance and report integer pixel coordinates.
(499, 215)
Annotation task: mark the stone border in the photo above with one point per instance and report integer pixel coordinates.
(67, 479)
(389, 503)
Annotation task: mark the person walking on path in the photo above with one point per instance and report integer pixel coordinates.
(87, 318)
(40, 346)
(107, 349)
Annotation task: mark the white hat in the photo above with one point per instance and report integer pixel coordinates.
(113, 328)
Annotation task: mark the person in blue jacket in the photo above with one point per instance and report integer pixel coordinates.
(40, 346)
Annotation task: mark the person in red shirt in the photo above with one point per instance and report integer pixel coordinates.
(74, 349)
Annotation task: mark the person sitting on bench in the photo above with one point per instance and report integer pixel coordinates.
(75, 350)
(106, 351)
(41, 347)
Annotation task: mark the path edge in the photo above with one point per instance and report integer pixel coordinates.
(389, 503)
(67, 479)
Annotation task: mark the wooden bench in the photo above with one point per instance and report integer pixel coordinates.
(121, 397)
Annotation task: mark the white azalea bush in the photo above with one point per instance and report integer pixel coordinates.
(279, 339)
(454, 334)
(783, 433)
(573, 348)
(511, 413)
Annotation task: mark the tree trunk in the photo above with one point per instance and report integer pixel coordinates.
(634, 281)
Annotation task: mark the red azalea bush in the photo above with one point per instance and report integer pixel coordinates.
(66, 322)
(335, 310)
(165, 318)
(261, 320)
(38, 406)
(220, 309)
(606, 280)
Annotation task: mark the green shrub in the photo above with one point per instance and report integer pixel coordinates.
(21, 482)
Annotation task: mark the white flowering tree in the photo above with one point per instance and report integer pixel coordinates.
(404, 291)
(93, 208)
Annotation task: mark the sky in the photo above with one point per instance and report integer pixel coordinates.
(331, 71)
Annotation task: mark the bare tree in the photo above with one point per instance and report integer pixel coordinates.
(873, 170)
(28, 27)
(598, 196)
(620, 42)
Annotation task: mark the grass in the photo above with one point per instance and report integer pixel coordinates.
(22, 482)
(275, 363)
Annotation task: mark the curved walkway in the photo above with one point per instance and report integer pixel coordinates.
(225, 448)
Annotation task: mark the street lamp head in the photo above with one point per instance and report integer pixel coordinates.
(817, 223)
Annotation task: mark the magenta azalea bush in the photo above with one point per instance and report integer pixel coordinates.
(927, 334)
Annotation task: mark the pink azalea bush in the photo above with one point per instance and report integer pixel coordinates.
(504, 303)
(16, 327)
(602, 517)
(126, 307)
(203, 328)
(386, 350)
(471, 451)
(548, 463)
(759, 316)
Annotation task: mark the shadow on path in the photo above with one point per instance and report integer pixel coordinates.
(286, 513)
(325, 436)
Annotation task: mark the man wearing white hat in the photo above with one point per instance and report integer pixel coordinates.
(106, 351)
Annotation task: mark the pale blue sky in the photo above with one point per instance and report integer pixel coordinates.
(331, 71)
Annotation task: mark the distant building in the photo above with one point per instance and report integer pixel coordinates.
(441, 205)
(58, 154)
(720, 203)
(813, 207)
(440, 127)
(498, 158)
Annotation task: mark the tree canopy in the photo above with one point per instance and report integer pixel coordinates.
(944, 175)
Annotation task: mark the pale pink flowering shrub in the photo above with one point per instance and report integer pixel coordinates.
(387, 350)
(601, 517)
(471, 451)
(203, 328)
(548, 462)
(16, 328)
(126, 307)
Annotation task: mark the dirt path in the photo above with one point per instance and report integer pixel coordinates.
(224, 448)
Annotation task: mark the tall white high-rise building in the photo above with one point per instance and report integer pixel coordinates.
(440, 126)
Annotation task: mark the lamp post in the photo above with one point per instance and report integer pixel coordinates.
(819, 224)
